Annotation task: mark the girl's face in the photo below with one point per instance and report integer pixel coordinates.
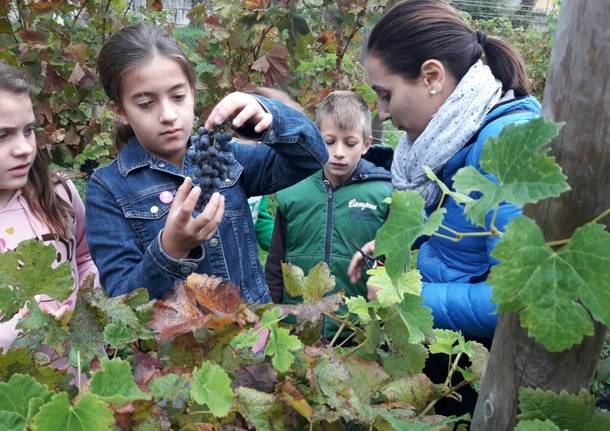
(157, 101)
(408, 103)
(17, 143)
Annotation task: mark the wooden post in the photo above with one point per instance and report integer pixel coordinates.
(578, 93)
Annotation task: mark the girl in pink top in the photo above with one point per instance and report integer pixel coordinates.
(35, 202)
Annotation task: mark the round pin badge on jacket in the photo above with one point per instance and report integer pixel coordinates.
(166, 197)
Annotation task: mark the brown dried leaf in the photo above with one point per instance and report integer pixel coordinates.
(261, 377)
(278, 58)
(156, 5)
(214, 294)
(76, 75)
(297, 401)
(53, 81)
(176, 314)
(261, 64)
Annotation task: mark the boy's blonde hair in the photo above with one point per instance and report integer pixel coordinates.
(347, 110)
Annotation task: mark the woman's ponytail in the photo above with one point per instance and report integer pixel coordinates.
(506, 64)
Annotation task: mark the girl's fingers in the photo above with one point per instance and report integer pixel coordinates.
(355, 267)
(209, 212)
(264, 123)
(185, 211)
(211, 228)
(251, 110)
(372, 291)
(183, 192)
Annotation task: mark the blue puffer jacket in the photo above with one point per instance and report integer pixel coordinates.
(454, 273)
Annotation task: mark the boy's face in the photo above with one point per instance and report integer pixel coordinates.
(345, 147)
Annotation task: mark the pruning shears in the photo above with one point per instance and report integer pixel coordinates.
(369, 260)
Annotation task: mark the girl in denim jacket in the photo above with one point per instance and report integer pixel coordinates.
(140, 222)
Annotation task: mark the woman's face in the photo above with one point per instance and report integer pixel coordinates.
(408, 103)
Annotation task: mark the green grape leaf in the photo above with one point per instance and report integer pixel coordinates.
(416, 317)
(536, 425)
(444, 340)
(86, 331)
(414, 390)
(549, 288)
(312, 312)
(364, 387)
(116, 308)
(478, 356)
(89, 414)
(15, 397)
(279, 346)
(518, 159)
(373, 336)
(212, 386)
(311, 288)
(403, 358)
(22, 362)
(360, 307)
(391, 293)
(118, 334)
(567, 411)
(405, 223)
(261, 410)
(331, 377)
(114, 383)
(10, 421)
(170, 386)
(26, 272)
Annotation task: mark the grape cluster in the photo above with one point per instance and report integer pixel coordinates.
(210, 157)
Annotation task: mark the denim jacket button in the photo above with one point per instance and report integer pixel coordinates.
(161, 165)
(213, 242)
(185, 270)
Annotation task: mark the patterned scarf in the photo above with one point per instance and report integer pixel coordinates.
(456, 121)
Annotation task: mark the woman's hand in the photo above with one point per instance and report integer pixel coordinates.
(354, 269)
(182, 232)
(242, 108)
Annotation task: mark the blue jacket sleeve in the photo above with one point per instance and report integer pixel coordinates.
(128, 267)
(292, 150)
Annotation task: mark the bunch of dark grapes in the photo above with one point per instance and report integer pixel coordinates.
(211, 158)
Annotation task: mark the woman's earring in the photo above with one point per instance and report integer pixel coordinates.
(433, 92)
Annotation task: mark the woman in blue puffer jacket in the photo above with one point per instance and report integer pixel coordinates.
(425, 64)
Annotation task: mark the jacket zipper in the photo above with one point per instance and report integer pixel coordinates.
(329, 221)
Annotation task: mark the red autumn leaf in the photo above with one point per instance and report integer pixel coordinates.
(261, 377)
(76, 52)
(33, 36)
(176, 314)
(211, 20)
(53, 81)
(214, 294)
(273, 64)
(324, 37)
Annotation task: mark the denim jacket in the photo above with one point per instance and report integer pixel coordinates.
(125, 215)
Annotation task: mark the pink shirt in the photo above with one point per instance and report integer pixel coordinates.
(18, 223)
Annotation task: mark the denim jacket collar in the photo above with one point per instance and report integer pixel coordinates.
(134, 156)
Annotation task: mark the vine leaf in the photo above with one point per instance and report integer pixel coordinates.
(360, 307)
(117, 334)
(280, 346)
(20, 398)
(26, 272)
(297, 401)
(114, 383)
(212, 386)
(549, 288)
(170, 387)
(414, 390)
(312, 312)
(416, 317)
(426, 423)
(405, 223)
(567, 411)
(21, 361)
(261, 410)
(391, 293)
(536, 425)
(523, 172)
(444, 341)
(312, 287)
(89, 414)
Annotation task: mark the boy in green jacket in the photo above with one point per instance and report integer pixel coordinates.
(322, 217)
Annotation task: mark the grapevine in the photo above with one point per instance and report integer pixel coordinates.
(210, 157)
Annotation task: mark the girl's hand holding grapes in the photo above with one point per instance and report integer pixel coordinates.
(242, 108)
(182, 231)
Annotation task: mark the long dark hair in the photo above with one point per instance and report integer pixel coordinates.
(40, 189)
(414, 31)
(131, 47)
